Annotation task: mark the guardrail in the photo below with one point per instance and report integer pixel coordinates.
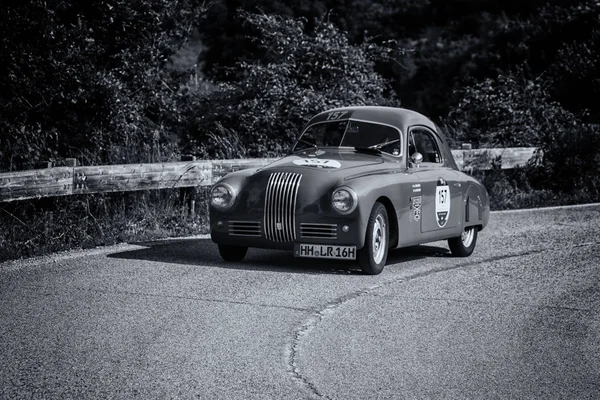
(64, 181)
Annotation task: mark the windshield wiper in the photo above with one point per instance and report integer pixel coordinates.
(311, 144)
(380, 145)
(376, 148)
(370, 150)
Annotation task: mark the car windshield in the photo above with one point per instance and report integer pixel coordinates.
(349, 133)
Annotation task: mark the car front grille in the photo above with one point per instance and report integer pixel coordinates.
(244, 228)
(318, 231)
(280, 206)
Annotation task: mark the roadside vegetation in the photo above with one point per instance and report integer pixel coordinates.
(110, 82)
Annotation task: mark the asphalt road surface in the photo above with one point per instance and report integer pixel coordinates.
(520, 318)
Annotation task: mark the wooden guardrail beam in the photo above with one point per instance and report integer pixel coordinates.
(481, 159)
(220, 168)
(129, 177)
(64, 181)
(35, 183)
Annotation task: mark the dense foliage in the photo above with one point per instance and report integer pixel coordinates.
(299, 74)
(88, 79)
(114, 81)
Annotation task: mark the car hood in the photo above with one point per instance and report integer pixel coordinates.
(321, 171)
(324, 161)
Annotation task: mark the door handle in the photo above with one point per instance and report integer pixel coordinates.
(457, 184)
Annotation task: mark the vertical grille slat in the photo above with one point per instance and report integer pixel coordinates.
(268, 218)
(288, 228)
(294, 197)
(277, 210)
(280, 205)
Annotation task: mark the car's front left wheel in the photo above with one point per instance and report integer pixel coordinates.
(232, 253)
(373, 256)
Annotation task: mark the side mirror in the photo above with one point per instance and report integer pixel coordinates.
(416, 158)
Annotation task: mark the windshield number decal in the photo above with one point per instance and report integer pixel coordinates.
(336, 115)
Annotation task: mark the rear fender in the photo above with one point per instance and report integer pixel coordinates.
(475, 211)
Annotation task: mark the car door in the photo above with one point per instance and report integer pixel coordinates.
(441, 192)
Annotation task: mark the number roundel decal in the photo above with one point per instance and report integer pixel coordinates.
(318, 163)
(442, 203)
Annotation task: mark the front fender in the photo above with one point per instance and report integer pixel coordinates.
(371, 189)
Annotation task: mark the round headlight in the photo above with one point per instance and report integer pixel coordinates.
(344, 200)
(222, 196)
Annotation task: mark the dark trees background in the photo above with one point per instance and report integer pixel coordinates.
(89, 79)
(143, 80)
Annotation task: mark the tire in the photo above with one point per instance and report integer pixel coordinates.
(464, 245)
(373, 256)
(232, 253)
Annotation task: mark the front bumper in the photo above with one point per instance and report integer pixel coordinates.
(249, 231)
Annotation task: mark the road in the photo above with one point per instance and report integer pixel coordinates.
(520, 318)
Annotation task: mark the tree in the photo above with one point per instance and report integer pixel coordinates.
(301, 73)
(514, 110)
(576, 73)
(510, 110)
(88, 79)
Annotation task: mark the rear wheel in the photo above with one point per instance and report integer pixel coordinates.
(232, 253)
(464, 245)
(373, 256)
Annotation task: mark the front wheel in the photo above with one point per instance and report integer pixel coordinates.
(373, 256)
(464, 245)
(232, 253)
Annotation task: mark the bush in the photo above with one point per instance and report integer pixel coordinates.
(301, 73)
(510, 189)
(89, 80)
(512, 110)
(509, 111)
(569, 161)
(48, 225)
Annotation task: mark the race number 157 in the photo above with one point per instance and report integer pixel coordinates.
(443, 193)
(336, 115)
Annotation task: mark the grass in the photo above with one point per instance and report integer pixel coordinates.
(43, 226)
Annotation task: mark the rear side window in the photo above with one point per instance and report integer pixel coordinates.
(424, 142)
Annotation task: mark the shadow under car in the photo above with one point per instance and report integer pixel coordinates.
(203, 252)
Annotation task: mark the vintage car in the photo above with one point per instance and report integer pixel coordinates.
(358, 182)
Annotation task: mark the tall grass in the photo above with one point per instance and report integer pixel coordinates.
(43, 226)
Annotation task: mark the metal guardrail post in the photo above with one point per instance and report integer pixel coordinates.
(187, 195)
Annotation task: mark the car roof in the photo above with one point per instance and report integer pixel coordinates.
(401, 118)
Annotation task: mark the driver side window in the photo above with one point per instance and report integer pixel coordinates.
(423, 142)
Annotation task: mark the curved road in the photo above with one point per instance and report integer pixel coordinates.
(520, 318)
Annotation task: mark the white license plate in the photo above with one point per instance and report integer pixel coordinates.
(325, 251)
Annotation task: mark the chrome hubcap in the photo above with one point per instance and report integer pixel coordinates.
(467, 236)
(379, 239)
